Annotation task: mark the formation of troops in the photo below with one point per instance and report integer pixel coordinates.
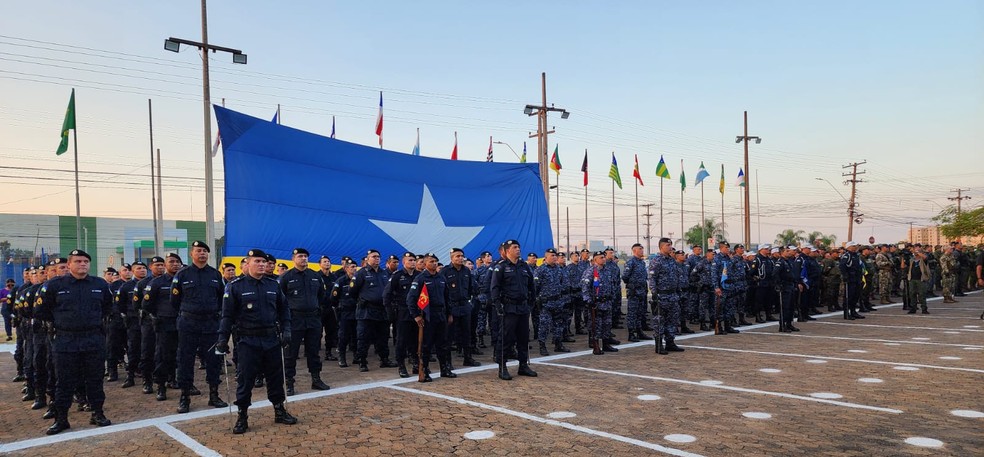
(154, 320)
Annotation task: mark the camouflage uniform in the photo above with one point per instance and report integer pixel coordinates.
(666, 281)
(551, 289)
(482, 277)
(725, 278)
(691, 302)
(636, 290)
(705, 294)
(831, 283)
(949, 266)
(884, 264)
(741, 285)
(599, 297)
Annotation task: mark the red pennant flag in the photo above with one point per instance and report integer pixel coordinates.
(584, 168)
(454, 152)
(424, 298)
(635, 172)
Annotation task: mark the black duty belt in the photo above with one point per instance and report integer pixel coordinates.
(311, 313)
(269, 331)
(77, 331)
(199, 316)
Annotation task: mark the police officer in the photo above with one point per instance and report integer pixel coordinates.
(740, 273)
(636, 292)
(511, 294)
(329, 320)
(850, 267)
(666, 281)
(196, 297)
(707, 298)
(482, 277)
(75, 306)
(115, 328)
(462, 286)
(551, 289)
(432, 312)
(725, 287)
(764, 271)
(228, 273)
(25, 309)
(395, 297)
(148, 336)
(19, 323)
(131, 319)
(343, 301)
(371, 318)
(257, 308)
(307, 299)
(691, 299)
(598, 293)
(884, 263)
(789, 282)
(157, 304)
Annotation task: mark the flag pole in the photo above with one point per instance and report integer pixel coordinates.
(568, 208)
(153, 185)
(558, 209)
(661, 232)
(637, 208)
(683, 186)
(613, 214)
(78, 199)
(703, 234)
(585, 216)
(758, 207)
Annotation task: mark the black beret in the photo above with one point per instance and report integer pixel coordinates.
(227, 265)
(484, 253)
(324, 257)
(739, 246)
(281, 264)
(174, 256)
(392, 257)
(201, 244)
(139, 263)
(408, 254)
(724, 243)
(81, 253)
(110, 270)
(59, 261)
(562, 254)
(453, 250)
(346, 259)
(665, 240)
(508, 243)
(418, 257)
(270, 258)
(585, 250)
(39, 268)
(609, 249)
(573, 253)
(125, 265)
(156, 259)
(637, 245)
(256, 253)
(300, 251)
(431, 255)
(550, 250)
(372, 251)
(532, 254)
(598, 253)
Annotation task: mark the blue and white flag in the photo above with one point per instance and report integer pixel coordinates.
(393, 202)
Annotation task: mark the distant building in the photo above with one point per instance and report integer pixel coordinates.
(932, 236)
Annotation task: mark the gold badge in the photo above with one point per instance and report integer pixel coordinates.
(249, 306)
(175, 291)
(453, 285)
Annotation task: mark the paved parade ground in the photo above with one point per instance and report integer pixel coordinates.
(892, 384)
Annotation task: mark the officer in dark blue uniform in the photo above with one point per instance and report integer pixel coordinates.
(434, 318)
(148, 336)
(395, 298)
(636, 291)
(75, 306)
(115, 329)
(163, 315)
(789, 283)
(482, 277)
(766, 279)
(329, 321)
(344, 304)
(511, 294)
(462, 286)
(551, 289)
(196, 295)
(666, 280)
(850, 268)
(259, 311)
(307, 299)
(372, 322)
(131, 319)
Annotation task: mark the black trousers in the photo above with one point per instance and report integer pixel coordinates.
(148, 345)
(766, 298)
(254, 360)
(79, 369)
(851, 289)
(346, 336)
(166, 351)
(406, 340)
(374, 333)
(436, 339)
(311, 336)
(132, 345)
(330, 324)
(194, 337)
(516, 331)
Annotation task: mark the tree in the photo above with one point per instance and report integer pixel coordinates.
(790, 237)
(695, 236)
(967, 223)
(820, 240)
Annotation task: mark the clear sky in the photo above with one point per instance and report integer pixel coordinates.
(897, 83)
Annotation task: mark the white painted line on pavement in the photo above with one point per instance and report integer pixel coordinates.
(731, 388)
(841, 359)
(906, 316)
(189, 442)
(556, 423)
(898, 326)
(847, 338)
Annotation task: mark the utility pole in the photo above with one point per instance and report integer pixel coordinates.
(541, 134)
(747, 213)
(648, 236)
(852, 214)
(959, 197)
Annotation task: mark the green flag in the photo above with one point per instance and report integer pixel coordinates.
(67, 125)
(683, 178)
(661, 169)
(613, 172)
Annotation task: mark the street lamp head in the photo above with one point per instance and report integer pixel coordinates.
(239, 58)
(528, 110)
(171, 45)
(757, 139)
(738, 139)
(565, 114)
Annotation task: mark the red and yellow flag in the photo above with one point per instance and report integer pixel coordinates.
(635, 171)
(424, 298)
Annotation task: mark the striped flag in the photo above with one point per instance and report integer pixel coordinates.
(635, 171)
(379, 120)
(416, 146)
(701, 174)
(454, 152)
(554, 160)
(523, 158)
(613, 172)
(740, 182)
(584, 168)
(661, 170)
(488, 158)
(215, 145)
(721, 186)
(333, 127)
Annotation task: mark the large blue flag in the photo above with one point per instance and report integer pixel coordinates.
(376, 198)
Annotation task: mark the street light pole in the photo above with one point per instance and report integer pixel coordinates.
(508, 146)
(746, 197)
(173, 44)
(542, 132)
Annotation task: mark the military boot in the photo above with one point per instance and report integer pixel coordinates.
(317, 383)
(403, 369)
(729, 328)
(469, 360)
(685, 329)
(704, 327)
(559, 346)
(161, 392)
(481, 341)
(543, 348)
(128, 382)
(342, 362)
(741, 319)
(415, 365)
(290, 387)
(672, 347)
(213, 397)
(148, 388)
(114, 373)
(29, 394)
(50, 413)
(387, 363)
(329, 354)
(281, 416)
(184, 402)
(504, 373)
(608, 348)
(632, 336)
(525, 370)
(242, 422)
(41, 401)
(770, 318)
(363, 366)
(61, 423)
(446, 371)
